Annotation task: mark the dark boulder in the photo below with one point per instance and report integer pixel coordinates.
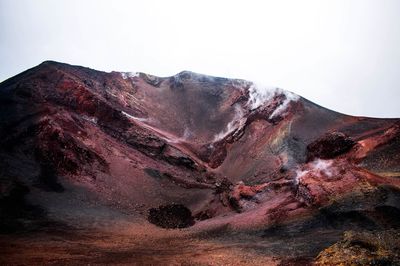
(329, 146)
(171, 216)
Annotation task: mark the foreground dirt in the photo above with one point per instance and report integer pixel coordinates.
(144, 244)
(100, 247)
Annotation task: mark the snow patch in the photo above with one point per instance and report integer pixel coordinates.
(111, 93)
(259, 94)
(90, 119)
(126, 75)
(134, 117)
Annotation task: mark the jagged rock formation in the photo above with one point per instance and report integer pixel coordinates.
(76, 144)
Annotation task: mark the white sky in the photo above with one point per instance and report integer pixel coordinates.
(342, 54)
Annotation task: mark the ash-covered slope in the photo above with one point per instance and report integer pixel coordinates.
(88, 148)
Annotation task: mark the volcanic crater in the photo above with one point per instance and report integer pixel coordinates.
(130, 168)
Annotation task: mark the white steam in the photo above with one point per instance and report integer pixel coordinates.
(289, 97)
(90, 119)
(299, 175)
(237, 122)
(324, 167)
(317, 168)
(259, 95)
(186, 134)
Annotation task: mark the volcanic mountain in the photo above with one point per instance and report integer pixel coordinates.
(124, 167)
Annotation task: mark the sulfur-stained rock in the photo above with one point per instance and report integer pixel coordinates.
(363, 248)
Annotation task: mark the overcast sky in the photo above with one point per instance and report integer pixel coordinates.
(342, 54)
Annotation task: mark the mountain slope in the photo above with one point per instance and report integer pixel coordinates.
(86, 149)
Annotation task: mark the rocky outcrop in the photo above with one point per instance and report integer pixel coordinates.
(176, 157)
(329, 146)
(242, 192)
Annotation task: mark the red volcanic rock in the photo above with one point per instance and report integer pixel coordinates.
(59, 149)
(371, 144)
(241, 191)
(214, 154)
(329, 146)
(145, 142)
(320, 180)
